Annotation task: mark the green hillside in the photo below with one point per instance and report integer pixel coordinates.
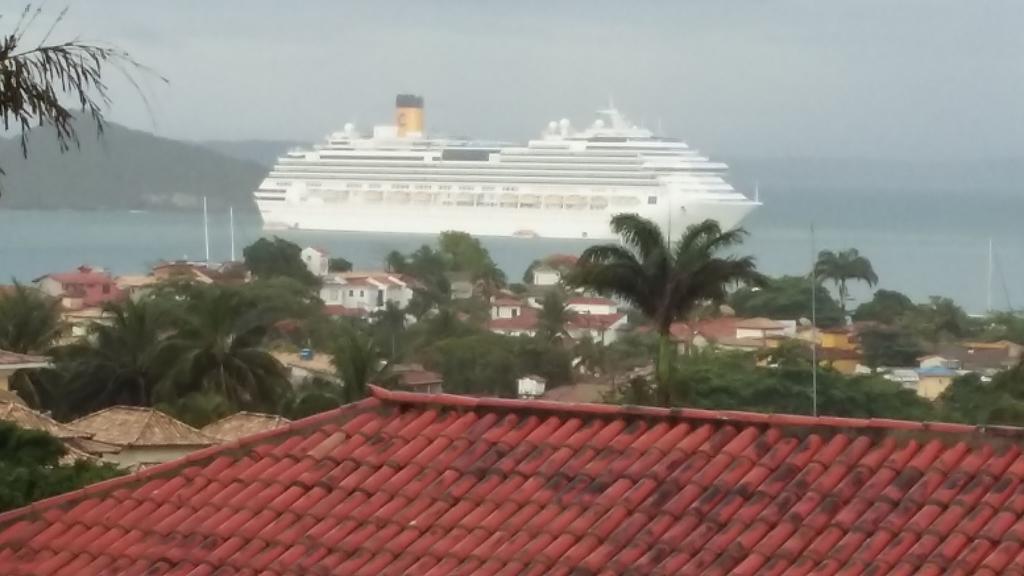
(124, 170)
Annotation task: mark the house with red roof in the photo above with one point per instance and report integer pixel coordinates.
(368, 291)
(316, 260)
(524, 323)
(581, 304)
(602, 328)
(434, 484)
(506, 307)
(81, 288)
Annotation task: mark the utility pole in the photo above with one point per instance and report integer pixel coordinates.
(814, 327)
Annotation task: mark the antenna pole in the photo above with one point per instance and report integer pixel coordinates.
(988, 285)
(814, 328)
(206, 231)
(757, 192)
(231, 218)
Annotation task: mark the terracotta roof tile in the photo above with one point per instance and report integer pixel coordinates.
(242, 424)
(134, 426)
(439, 484)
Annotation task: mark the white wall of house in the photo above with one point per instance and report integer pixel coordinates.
(939, 362)
(531, 386)
(132, 457)
(366, 294)
(506, 311)
(315, 260)
(544, 276)
(50, 287)
(606, 337)
(603, 308)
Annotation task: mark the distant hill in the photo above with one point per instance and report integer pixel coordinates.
(125, 169)
(263, 152)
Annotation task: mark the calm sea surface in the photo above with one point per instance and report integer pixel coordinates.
(920, 243)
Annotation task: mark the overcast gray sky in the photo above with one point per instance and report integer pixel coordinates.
(838, 77)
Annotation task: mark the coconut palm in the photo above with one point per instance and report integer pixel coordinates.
(842, 267)
(553, 316)
(219, 349)
(121, 362)
(358, 363)
(389, 326)
(50, 84)
(665, 281)
(29, 324)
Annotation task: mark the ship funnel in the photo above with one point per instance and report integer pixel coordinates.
(409, 114)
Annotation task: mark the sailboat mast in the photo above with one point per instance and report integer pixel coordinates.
(206, 231)
(231, 218)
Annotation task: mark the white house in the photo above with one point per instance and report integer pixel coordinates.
(601, 328)
(592, 305)
(369, 291)
(764, 328)
(505, 308)
(531, 386)
(545, 275)
(316, 260)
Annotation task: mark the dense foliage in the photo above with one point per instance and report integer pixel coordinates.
(31, 468)
(786, 297)
(277, 258)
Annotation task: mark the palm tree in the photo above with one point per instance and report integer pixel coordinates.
(29, 324)
(29, 320)
(39, 82)
(358, 362)
(843, 267)
(219, 349)
(121, 362)
(553, 316)
(665, 281)
(389, 324)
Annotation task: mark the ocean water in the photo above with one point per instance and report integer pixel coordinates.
(923, 243)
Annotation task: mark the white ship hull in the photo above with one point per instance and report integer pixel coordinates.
(484, 221)
(567, 184)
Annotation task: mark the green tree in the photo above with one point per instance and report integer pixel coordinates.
(786, 297)
(31, 468)
(29, 324)
(941, 319)
(999, 326)
(482, 363)
(389, 329)
(339, 265)
(733, 381)
(39, 83)
(219, 349)
(1000, 400)
(29, 320)
(664, 282)
(842, 267)
(554, 314)
(889, 346)
(121, 362)
(885, 306)
(275, 258)
(358, 363)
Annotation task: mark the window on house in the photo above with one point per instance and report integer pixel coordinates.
(362, 293)
(351, 293)
(652, 199)
(515, 312)
(380, 298)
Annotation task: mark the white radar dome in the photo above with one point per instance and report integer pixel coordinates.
(350, 127)
(598, 123)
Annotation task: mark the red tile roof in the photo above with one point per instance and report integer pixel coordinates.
(337, 310)
(404, 483)
(595, 321)
(526, 320)
(591, 301)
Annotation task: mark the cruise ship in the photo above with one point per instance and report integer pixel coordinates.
(567, 183)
